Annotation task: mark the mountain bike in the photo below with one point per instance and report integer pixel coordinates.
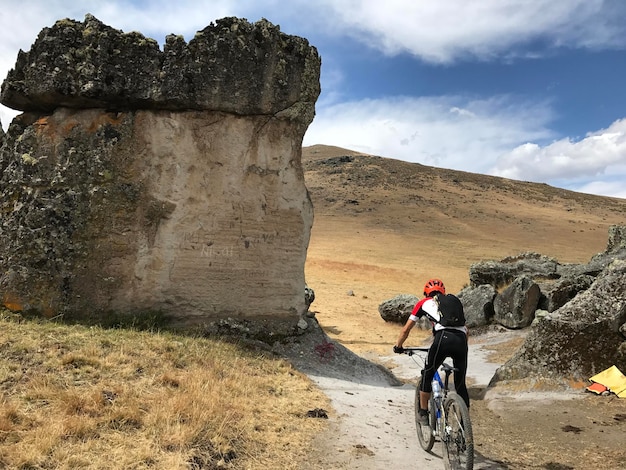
(449, 421)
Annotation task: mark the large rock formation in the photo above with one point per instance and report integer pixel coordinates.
(149, 181)
(231, 66)
(581, 329)
(582, 338)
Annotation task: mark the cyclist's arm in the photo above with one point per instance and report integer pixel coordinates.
(410, 323)
(404, 334)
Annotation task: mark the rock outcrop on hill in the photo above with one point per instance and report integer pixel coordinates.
(160, 182)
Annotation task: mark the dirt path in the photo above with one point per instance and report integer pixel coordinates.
(372, 422)
(373, 425)
(518, 426)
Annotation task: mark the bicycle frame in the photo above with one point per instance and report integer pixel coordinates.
(438, 411)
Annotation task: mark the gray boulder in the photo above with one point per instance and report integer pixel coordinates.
(593, 268)
(515, 306)
(582, 338)
(556, 294)
(617, 239)
(478, 304)
(309, 296)
(502, 273)
(398, 309)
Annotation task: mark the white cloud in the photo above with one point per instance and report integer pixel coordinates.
(442, 32)
(605, 188)
(566, 159)
(451, 132)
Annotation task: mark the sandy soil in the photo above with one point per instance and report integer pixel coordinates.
(374, 238)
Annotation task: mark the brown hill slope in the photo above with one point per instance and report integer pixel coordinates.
(383, 227)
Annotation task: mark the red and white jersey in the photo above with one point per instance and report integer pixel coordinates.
(428, 306)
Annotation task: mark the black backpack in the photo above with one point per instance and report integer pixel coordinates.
(450, 310)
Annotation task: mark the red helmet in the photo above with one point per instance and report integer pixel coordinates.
(434, 285)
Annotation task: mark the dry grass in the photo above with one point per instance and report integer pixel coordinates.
(86, 397)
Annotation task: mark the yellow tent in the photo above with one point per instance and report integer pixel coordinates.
(613, 379)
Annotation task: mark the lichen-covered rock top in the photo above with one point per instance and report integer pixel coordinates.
(231, 66)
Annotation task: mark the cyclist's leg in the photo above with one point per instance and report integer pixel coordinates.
(458, 351)
(434, 359)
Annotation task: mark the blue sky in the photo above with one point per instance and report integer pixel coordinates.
(525, 89)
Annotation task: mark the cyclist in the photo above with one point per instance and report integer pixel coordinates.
(448, 341)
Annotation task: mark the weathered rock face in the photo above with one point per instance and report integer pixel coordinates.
(502, 273)
(617, 239)
(478, 304)
(185, 196)
(556, 294)
(515, 306)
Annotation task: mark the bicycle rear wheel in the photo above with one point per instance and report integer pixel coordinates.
(424, 432)
(458, 439)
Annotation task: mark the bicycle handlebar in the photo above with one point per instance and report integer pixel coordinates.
(410, 351)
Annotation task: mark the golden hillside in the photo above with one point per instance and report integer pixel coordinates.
(383, 227)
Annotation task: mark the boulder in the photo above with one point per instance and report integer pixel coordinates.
(478, 304)
(158, 182)
(398, 309)
(309, 296)
(502, 273)
(592, 268)
(579, 340)
(515, 306)
(617, 239)
(556, 294)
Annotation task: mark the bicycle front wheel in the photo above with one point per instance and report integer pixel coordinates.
(458, 439)
(425, 434)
